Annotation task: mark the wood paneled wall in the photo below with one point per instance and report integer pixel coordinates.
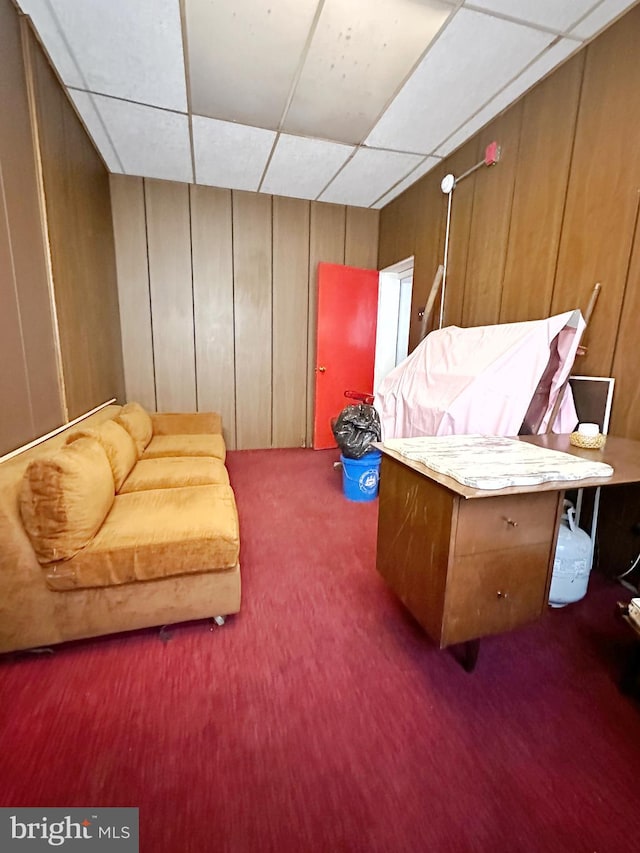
(60, 345)
(218, 301)
(29, 389)
(80, 230)
(531, 235)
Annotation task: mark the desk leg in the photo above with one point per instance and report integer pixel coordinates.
(467, 654)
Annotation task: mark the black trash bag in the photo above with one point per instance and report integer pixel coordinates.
(355, 428)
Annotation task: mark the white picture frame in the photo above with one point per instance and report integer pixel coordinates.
(593, 398)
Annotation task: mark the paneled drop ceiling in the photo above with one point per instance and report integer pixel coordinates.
(348, 101)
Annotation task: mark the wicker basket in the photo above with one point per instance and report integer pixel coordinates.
(590, 442)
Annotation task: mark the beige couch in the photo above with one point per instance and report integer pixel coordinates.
(124, 521)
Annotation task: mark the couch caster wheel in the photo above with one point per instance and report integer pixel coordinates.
(219, 620)
(165, 634)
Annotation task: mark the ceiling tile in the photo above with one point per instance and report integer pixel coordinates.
(473, 59)
(84, 103)
(230, 155)
(243, 57)
(302, 168)
(426, 166)
(600, 17)
(368, 175)
(544, 13)
(535, 72)
(124, 49)
(47, 28)
(360, 54)
(149, 142)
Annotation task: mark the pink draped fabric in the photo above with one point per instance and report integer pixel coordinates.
(480, 380)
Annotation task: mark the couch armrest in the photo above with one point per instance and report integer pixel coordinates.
(187, 423)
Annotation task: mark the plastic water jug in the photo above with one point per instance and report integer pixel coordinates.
(572, 563)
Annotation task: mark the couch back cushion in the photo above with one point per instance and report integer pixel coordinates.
(118, 445)
(137, 422)
(65, 497)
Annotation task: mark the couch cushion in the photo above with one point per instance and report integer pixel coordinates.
(173, 472)
(137, 422)
(118, 445)
(156, 534)
(185, 445)
(65, 497)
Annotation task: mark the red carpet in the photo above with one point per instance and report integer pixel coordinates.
(322, 719)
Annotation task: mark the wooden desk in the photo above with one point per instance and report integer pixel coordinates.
(469, 562)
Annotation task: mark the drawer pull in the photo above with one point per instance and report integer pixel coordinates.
(501, 594)
(511, 522)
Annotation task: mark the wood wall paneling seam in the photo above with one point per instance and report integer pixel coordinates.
(132, 263)
(212, 266)
(626, 402)
(193, 300)
(272, 329)
(290, 320)
(27, 34)
(146, 246)
(516, 156)
(14, 285)
(169, 243)
(539, 194)
(253, 294)
(568, 181)
(233, 311)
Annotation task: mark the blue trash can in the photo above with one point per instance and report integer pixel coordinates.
(360, 477)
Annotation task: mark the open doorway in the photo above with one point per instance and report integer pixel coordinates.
(395, 286)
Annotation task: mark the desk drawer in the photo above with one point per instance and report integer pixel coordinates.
(494, 592)
(508, 521)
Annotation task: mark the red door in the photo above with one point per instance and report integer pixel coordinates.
(346, 343)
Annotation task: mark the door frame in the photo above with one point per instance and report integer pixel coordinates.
(395, 286)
